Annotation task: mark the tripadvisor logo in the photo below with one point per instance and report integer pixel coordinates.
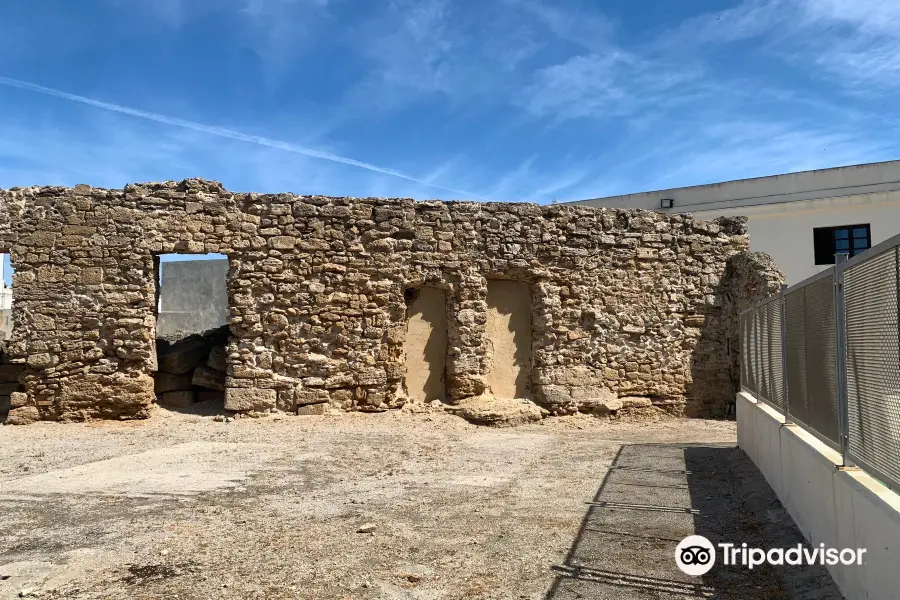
(695, 555)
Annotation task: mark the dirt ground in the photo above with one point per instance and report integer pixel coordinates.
(395, 505)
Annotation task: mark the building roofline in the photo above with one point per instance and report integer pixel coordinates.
(786, 187)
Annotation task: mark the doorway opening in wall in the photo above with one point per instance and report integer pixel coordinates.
(9, 371)
(192, 329)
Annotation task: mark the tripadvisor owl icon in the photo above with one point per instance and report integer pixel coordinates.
(695, 555)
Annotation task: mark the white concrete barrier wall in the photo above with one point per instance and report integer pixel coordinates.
(841, 508)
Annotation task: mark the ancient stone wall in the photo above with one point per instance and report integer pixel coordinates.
(320, 290)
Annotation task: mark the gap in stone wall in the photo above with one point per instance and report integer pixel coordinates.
(191, 330)
(9, 372)
(509, 338)
(6, 320)
(426, 344)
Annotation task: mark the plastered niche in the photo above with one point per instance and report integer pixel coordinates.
(426, 344)
(623, 302)
(509, 338)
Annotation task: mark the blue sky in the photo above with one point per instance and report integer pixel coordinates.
(489, 99)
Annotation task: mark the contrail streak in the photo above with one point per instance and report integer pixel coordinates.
(222, 132)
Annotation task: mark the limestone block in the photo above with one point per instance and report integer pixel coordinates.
(311, 396)
(183, 356)
(635, 402)
(41, 360)
(498, 412)
(182, 399)
(555, 396)
(242, 399)
(18, 399)
(209, 378)
(218, 359)
(167, 382)
(464, 385)
(312, 409)
(24, 415)
(282, 242)
(92, 276)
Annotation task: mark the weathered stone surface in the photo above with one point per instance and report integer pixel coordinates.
(312, 409)
(183, 357)
(217, 359)
(635, 302)
(242, 399)
(209, 378)
(603, 405)
(177, 399)
(498, 412)
(18, 400)
(24, 415)
(311, 396)
(636, 402)
(166, 382)
(596, 399)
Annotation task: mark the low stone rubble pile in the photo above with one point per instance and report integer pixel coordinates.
(191, 369)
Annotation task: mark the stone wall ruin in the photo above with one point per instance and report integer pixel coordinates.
(623, 303)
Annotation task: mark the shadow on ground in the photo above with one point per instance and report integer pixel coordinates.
(652, 497)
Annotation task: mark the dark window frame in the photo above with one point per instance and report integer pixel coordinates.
(827, 239)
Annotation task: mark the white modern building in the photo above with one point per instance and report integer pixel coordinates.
(801, 219)
(5, 305)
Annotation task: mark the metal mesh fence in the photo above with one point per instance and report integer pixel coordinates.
(827, 353)
(769, 381)
(821, 359)
(810, 358)
(795, 354)
(873, 362)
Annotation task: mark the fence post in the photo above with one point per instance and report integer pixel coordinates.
(784, 378)
(841, 358)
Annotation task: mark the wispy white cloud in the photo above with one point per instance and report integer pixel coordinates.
(518, 99)
(583, 26)
(122, 150)
(854, 43)
(702, 151)
(221, 132)
(604, 86)
(857, 42)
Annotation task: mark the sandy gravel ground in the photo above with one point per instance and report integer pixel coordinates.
(397, 505)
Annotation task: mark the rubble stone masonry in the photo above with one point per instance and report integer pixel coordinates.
(624, 303)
